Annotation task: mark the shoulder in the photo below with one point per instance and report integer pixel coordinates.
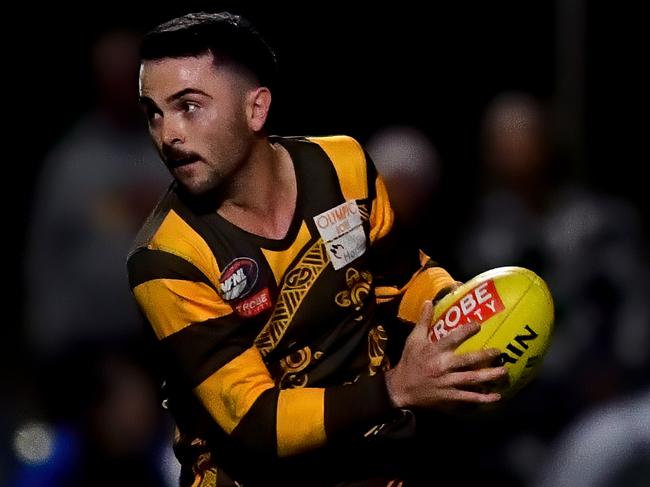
(337, 143)
(341, 149)
(350, 162)
(168, 232)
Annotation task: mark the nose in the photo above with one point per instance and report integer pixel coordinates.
(172, 133)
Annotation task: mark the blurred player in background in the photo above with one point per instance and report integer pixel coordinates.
(410, 167)
(84, 334)
(96, 187)
(590, 248)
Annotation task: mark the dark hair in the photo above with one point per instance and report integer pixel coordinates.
(231, 39)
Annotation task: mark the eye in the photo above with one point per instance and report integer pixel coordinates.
(190, 106)
(153, 115)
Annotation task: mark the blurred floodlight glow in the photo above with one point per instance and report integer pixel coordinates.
(33, 443)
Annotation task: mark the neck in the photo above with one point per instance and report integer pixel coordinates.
(261, 196)
(249, 187)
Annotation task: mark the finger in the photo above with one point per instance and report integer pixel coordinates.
(473, 377)
(477, 359)
(458, 335)
(471, 396)
(422, 326)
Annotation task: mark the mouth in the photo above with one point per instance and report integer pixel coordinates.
(183, 161)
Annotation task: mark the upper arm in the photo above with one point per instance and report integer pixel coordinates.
(199, 333)
(403, 271)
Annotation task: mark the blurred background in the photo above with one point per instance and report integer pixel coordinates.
(509, 133)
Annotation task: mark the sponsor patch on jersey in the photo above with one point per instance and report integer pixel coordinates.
(238, 279)
(342, 232)
(255, 304)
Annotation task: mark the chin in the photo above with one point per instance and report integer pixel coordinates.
(198, 187)
(195, 189)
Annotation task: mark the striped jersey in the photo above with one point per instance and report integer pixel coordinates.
(274, 350)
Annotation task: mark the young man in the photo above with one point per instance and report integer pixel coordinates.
(275, 281)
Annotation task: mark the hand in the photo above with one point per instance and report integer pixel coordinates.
(431, 375)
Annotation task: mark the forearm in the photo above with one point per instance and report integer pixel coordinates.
(287, 422)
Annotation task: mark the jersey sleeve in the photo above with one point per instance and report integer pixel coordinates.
(405, 275)
(211, 350)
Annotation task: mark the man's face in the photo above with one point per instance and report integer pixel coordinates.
(197, 118)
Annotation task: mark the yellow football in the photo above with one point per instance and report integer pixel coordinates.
(514, 307)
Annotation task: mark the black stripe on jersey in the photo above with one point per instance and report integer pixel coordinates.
(369, 399)
(145, 265)
(316, 173)
(396, 256)
(200, 349)
(257, 429)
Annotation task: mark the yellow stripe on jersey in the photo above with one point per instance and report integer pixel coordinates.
(384, 294)
(178, 238)
(300, 420)
(279, 260)
(231, 391)
(425, 285)
(173, 304)
(349, 163)
(381, 215)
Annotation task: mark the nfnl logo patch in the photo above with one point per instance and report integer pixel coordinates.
(479, 304)
(238, 279)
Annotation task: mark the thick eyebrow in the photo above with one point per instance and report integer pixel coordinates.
(145, 100)
(186, 91)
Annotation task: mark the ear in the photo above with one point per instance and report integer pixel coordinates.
(257, 107)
